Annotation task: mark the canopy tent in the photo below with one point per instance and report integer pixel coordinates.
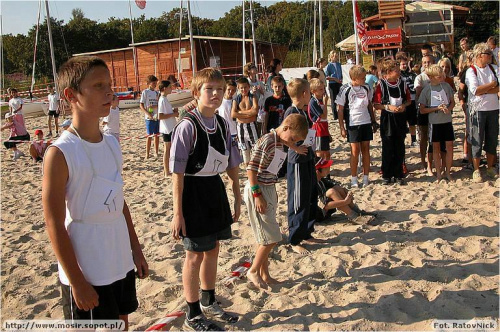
(348, 44)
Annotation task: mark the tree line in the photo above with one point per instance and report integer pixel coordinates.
(286, 23)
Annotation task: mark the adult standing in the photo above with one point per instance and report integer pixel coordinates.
(462, 60)
(482, 82)
(492, 43)
(273, 70)
(334, 77)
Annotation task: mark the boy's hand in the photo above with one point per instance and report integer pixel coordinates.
(260, 204)
(178, 226)
(237, 210)
(150, 116)
(301, 149)
(375, 127)
(85, 296)
(343, 132)
(140, 264)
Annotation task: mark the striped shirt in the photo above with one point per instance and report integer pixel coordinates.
(262, 156)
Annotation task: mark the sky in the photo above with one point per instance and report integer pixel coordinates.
(20, 16)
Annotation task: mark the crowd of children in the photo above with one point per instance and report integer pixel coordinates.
(276, 130)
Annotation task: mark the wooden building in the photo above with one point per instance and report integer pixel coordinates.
(161, 58)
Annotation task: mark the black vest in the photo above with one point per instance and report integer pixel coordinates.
(393, 124)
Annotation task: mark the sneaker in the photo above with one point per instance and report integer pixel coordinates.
(365, 182)
(200, 323)
(20, 154)
(15, 156)
(386, 181)
(476, 176)
(368, 213)
(362, 220)
(214, 310)
(49, 135)
(491, 173)
(400, 181)
(354, 183)
(56, 135)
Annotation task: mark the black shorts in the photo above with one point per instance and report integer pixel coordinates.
(323, 143)
(208, 242)
(9, 145)
(411, 114)
(422, 119)
(55, 114)
(441, 132)
(118, 298)
(167, 137)
(361, 133)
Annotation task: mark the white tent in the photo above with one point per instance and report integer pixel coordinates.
(348, 44)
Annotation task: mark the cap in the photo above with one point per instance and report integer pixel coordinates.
(322, 163)
(38, 131)
(66, 123)
(8, 115)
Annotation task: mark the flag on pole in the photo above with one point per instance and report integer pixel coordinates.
(360, 29)
(141, 3)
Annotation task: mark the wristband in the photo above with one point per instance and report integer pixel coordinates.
(257, 194)
(255, 188)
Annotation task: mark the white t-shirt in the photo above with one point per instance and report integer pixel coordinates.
(112, 121)
(15, 103)
(225, 111)
(495, 54)
(102, 250)
(53, 101)
(164, 107)
(486, 102)
(149, 98)
(358, 98)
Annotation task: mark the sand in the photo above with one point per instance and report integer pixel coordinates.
(434, 254)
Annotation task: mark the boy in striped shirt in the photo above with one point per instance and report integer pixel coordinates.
(260, 194)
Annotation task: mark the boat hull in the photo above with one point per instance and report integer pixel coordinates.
(176, 98)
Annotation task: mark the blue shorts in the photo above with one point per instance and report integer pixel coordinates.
(152, 127)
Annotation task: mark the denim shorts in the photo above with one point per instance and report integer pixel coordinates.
(152, 127)
(207, 242)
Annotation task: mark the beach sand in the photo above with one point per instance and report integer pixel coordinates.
(434, 254)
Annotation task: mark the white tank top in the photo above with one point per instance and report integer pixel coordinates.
(102, 249)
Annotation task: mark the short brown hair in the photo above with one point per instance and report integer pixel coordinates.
(315, 84)
(242, 80)
(389, 65)
(152, 78)
(230, 83)
(206, 75)
(297, 123)
(73, 72)
(163, 85)
(278, 79)
(356, 71)
(297, 86)
(311, 74)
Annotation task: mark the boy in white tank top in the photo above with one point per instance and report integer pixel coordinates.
(88, 221)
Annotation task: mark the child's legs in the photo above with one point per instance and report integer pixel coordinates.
(449, 156)
(413, 130)
(387, 156)
(365, 151)
(191, 275)
(56, 123)
(423, 142)
(337, 194)
(148, 146)
(49, 123)
(157, 144)
(261, 256)
(355, 150)
(33, 152)
(166, 157)
(437, 158)
(208, 270)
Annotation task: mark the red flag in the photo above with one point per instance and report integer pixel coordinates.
(361, 31)
(141, 3)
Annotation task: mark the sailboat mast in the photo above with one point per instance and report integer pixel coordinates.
(244, 61)
(355, 30)
(36, 43)
(134, 51)
(52, 57)
(191, 42)
(255, 58)
(320, 14)
(179, 63)
(315, 50)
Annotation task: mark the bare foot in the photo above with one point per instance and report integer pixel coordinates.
(300, 250)
(255, 278)
(314, 240)
(270, 280)
(429, 172)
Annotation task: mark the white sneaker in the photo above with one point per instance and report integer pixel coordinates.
(354, 183)
(20, 154)
(365, 181)
(16, 155)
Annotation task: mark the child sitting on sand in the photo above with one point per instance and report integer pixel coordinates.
(333, 196)
(38, 146)
(88, 221)
(260, 191)
(15, 123)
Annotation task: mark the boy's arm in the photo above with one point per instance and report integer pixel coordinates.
(260, 202)
(264, 122)
(55, 177)
(139, 260)
(143, 109)
(233, 174)
(341, 120)
(424, 109)
(178, 223)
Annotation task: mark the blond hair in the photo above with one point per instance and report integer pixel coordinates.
(388, 65)
(434, 71)
(481, 48)
(297, 86)
(315, 84)
(296, 123)
(447, 62)
(204, 76)
(356, 71)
